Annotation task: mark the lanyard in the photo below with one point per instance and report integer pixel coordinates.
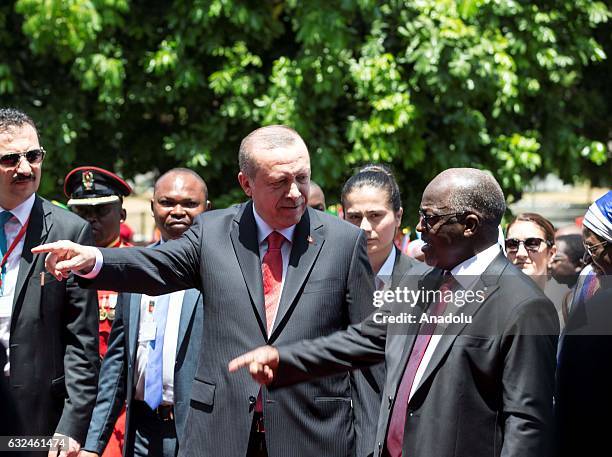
(12, 247)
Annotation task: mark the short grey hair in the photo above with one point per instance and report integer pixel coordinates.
(266, 138)
(475, 191)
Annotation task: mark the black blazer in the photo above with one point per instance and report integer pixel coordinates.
(583, 377)
(328, 286)
(405, 265)
(54, 335)
(116, 385)
(488, 388)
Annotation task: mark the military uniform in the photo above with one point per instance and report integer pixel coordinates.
(107, 300)
(92, 186)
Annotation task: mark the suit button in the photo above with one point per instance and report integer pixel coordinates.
(252, 400)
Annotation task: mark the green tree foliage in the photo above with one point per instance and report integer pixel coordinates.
(517, 87)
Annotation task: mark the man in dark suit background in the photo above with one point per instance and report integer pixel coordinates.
(271, 270)
(179, 196)
(476, 389)
(316, 197)
(49, 326)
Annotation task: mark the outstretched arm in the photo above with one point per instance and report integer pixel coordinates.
(357, 347)
(65, 257)
(175, 265)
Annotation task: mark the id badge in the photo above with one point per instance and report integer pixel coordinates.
(147, 331)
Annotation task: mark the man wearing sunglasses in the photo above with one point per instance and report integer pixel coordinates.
(50, 327)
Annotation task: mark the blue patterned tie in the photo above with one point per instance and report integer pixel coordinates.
(154, 370)
(4, 217)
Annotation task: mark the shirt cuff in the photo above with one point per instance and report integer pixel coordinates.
(96, 269)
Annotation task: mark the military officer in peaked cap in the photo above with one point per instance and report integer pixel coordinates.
(97, 195)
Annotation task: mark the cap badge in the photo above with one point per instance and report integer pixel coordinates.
(88, 180)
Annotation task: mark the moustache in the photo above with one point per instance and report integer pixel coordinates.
(23, 178)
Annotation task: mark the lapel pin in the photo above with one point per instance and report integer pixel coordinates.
(42, 279)
(310, 240)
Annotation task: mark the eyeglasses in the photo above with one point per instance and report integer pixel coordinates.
(427, 218)
(13, 159)
(531, 244)
(590, 248)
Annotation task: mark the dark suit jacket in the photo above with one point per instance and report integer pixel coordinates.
(54, 335)
(487, 390)
(583, 378)
(402, 265)
(328, 286)
(8, 413)
(116, 385)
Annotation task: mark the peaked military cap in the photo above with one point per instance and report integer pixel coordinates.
(94, 186)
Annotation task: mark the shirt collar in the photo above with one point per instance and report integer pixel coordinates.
(469, 270)
(385, 272)
(263, 229)
(23, 210)
(115, 243)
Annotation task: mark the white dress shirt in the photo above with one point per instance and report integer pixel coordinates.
(263, 230)
(466, 274)
(383, 277)
(21, 214)
(170, 343)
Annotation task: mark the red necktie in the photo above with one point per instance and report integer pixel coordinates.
(395, 434)
(272, 272)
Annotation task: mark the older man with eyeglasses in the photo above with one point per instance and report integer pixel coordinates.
(48, 329)
(481, 387)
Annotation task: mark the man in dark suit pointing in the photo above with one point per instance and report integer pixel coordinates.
(271, 271)
(481, 387)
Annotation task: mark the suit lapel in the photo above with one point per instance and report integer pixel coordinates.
(38, 228)
(486, 283)
(187, 310)
(133, 323)
(246, 247)
(429, 282)
(401, 265)
(308, 240)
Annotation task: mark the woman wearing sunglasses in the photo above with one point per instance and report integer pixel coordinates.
(530, 245)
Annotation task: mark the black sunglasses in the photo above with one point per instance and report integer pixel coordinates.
(531, 244)
(427, 218)
(13, 159)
